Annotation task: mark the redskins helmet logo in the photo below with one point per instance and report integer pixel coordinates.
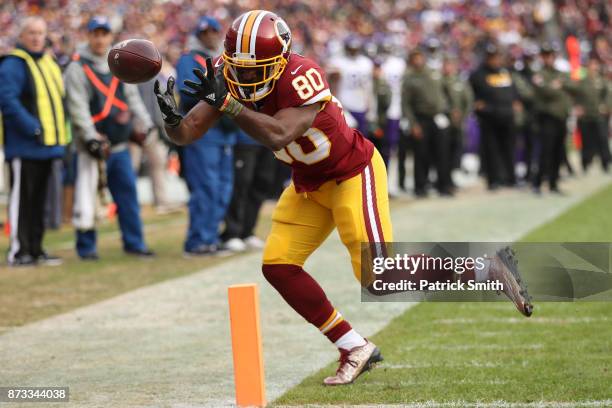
(283, 33)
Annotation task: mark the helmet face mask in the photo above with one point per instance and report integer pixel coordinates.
(257, 46)
(250, 80)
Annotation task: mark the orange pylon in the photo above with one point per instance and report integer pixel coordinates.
(246, 345)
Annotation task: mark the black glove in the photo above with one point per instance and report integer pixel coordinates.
(167, 103)
(98, 149)
(211, 88)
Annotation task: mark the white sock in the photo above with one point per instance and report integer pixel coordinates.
(482, 274)
(350, 340)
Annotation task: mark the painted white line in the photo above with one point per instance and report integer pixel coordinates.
(463, 347)
(472, 363)
(533, 320)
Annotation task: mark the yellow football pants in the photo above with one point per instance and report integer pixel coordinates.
(358, 207)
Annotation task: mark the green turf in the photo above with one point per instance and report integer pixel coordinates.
(481, 352)
(487, 352)
(588, 221)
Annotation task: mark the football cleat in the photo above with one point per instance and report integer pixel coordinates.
(353, 363)
(504, 269)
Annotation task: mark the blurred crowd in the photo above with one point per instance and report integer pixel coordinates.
(507, 83)
(319, 26)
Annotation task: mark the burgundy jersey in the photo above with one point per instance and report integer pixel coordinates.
(330, 149)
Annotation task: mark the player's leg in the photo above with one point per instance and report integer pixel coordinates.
(122, 186)
(421, 164)
(402, 148)
(299, 226)
(84, 212)
(603, 147)
(360, 207)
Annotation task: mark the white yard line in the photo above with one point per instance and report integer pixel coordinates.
(168, 345)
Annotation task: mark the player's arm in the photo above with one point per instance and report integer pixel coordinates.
(276, 132)
(184, 130)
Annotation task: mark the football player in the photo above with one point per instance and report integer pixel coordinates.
(356, 83)
(393, 69)
(282, 99)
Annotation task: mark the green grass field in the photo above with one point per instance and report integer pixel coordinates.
(460, 353)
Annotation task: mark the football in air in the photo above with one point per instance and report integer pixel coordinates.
(134, 61)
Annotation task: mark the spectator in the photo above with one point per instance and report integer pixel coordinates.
(423, 104)
(522, 75)
(495, 98)
(445, 27)
(207, 163)
(32, 105)
(53, 200)
(318, 24)
(552, 106)
(459, 97)
(606, 115)
(102, 140)
(591, 107)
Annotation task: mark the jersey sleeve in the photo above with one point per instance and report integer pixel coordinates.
(303, 83)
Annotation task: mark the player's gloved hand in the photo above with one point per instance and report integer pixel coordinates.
(167, 103)
(212, 90)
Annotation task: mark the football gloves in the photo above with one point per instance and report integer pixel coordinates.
(211, 88)
(167, 104)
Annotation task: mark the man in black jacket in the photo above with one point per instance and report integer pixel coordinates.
(495, 99)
